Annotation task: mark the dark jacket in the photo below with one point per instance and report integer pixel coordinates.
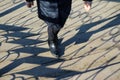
(55, 11)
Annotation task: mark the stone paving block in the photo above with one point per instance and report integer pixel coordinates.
(90, 42)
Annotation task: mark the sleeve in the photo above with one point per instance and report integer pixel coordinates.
(87, 0)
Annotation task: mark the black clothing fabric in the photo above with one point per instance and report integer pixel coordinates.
(48, 10)
(54, 13)
(53, 30)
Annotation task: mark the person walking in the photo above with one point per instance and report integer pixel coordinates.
(54, 13)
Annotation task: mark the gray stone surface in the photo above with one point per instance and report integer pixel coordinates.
(90, 42)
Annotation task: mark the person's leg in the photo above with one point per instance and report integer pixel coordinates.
(48, 12)
(54, 13)
(64, 10)
(53, 30)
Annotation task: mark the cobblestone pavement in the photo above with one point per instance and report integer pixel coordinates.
(90, 43)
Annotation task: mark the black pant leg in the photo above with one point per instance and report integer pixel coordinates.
(64, 8)
(54, 13)
(53, 30)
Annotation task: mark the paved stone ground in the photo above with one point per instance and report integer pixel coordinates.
(90, 42)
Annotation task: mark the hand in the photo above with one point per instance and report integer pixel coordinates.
(29, 4)
(87, 5)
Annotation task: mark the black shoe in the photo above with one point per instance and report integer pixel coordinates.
(53, 45)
